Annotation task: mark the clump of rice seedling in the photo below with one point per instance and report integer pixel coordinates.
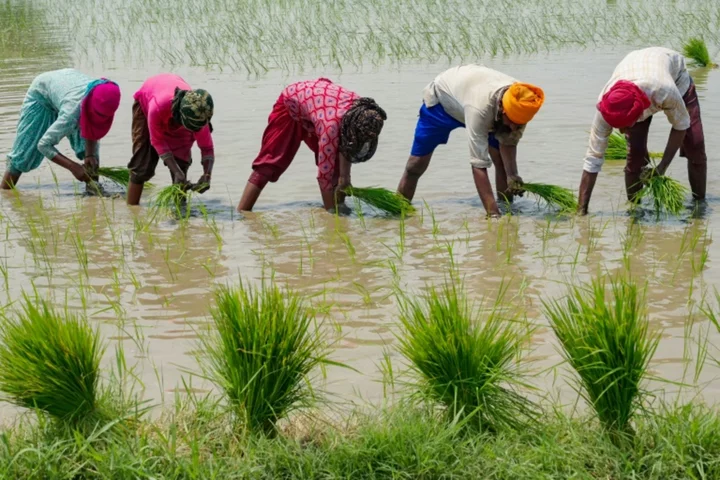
(118, 175)
(607, 342)
(667, 194)
(171, 199)
(697, 50)
(382, 199)
(50, 362)
(555, 196)
(263, 353)
(465, 360)
(618, 149)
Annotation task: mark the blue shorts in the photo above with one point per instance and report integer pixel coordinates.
(433, 128)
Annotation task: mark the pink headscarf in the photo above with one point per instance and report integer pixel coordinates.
(98, 108)
(623, 104)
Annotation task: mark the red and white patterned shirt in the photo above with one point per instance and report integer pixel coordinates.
(319, 106)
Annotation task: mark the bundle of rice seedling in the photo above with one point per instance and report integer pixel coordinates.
(265, 348)
(118, 175)
(697, 50)
(50, 362)
(553, 195)
(617, 148)
(607, 342)
(667, 194)
(465, 360)
(382, 199)
(171, 200)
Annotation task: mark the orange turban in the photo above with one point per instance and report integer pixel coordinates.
(522, 101)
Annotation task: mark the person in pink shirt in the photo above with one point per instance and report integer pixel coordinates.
(168, 117)
(339, 126)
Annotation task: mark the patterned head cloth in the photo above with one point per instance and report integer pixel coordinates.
(360, 128)
(192, 109)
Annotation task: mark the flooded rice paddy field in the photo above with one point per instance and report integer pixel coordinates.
(149, 283)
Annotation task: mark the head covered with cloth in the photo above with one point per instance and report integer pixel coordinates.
(623, 104)
(193, 109)
(97, 110)
(521, 101)
(361, 125)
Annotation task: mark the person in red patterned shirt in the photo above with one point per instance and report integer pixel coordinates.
(340, 127)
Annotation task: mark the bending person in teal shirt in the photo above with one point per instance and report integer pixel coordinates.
(59, 104)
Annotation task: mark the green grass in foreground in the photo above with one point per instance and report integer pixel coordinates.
(402, 442)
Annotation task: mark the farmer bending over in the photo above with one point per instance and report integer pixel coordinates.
(340, 127)
(494, 107)
(644, 83)
(168, 117)
(59, 104)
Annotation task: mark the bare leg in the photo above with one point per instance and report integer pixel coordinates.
(414, 169)
(134, 193)
(500, 177)
(249, 197)
(9, 180)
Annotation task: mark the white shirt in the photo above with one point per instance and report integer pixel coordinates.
(662, 75)
(471, 94)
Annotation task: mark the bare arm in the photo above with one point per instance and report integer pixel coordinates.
(91, 162)
(587, 183)
(674, 142)
(178, 175)
(485, 191)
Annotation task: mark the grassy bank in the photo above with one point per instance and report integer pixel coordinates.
(399, 442)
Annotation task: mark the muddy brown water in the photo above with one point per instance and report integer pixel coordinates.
(151, 289)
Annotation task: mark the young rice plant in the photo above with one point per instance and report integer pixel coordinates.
(263, 353)
(606, 340)
(555, 196)
(696, 50)
(463, 359)
(382, 200)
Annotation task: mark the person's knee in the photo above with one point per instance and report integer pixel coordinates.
(416, 166)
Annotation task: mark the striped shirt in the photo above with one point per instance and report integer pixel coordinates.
(662, 75)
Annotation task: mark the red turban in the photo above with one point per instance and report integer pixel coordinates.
(623, 104)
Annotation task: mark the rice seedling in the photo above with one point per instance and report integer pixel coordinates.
(606, 340)
(553, 195)
(51, 362)
(696, 50)
(172, 200)
(382, 200)
(263, 353)
(667, 194)
(120, 176)
(463, 359)
(617, 148)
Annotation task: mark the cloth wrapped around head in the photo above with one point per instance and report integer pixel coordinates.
(360, 128)
(98, 107)
(193, 109)
(521, 101)
(623, 104)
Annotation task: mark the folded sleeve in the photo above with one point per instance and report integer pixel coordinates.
(64, 126)
(674, 107)
(477, 126)
(597, 145)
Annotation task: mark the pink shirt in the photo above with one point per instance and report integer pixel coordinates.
(319, 106)
(155, 98)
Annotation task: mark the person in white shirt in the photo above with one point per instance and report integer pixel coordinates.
(494, 108)
(646, 82)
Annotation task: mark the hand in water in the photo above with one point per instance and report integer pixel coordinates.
(515, 185)
(202, 185)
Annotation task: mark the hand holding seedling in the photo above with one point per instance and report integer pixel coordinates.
(202, 185)
(515, 185)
